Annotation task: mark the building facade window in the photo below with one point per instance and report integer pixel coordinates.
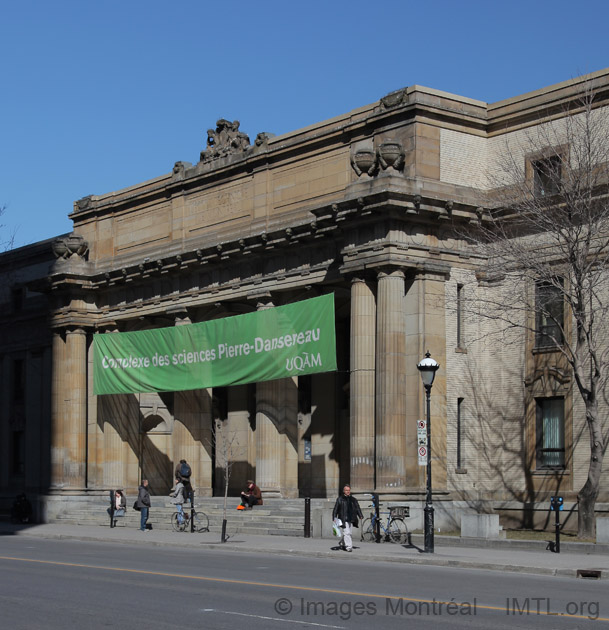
(18, 380)
(459, 316)
(460, 450)
(549, 315)
(550, 433)
(18, 453)
(547, 175)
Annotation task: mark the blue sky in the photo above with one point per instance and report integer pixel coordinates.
(97, 96)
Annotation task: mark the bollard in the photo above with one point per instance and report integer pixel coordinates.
(192, 511)
(377, 516)
(112, 504)
(307, 515)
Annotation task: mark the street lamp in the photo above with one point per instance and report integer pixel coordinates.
(428, 368)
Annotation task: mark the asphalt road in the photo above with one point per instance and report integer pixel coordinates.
(58, 584)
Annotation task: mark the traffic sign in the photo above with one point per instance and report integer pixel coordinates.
(422, 455)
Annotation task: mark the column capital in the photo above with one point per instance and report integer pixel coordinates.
(76, 330)
(263, 301)
(363, 278)
(390, 272)
(71, 329)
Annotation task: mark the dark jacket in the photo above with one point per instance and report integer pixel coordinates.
(143, 497)
(256, 493)
(347, 509)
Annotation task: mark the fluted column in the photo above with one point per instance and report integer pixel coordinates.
(192, 436)
(277, 434)
(390, 382)
(69, 410)
(362, 385)
(57, 411)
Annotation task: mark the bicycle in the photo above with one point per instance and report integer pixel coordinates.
(200, 521)
(395, 530)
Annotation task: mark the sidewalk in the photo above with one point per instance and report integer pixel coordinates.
(501, 556)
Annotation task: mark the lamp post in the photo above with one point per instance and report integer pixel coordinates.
(428, 368)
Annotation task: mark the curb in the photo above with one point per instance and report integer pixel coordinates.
(421, 561)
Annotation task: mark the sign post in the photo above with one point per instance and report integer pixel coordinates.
(556, 505)
(422, 441)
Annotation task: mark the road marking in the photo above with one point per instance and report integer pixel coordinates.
(270, 585)
(281, 619)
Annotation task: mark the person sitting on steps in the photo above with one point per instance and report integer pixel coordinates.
(251, 496)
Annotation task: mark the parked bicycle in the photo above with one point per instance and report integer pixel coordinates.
(200, 521)
(395, 529)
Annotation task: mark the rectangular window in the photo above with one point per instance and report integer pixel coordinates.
(18, 453)
(18, 295)
(459, 432)
(549, 315)
(459, 316)
(18, 380)
(547, 174)
(550, 433)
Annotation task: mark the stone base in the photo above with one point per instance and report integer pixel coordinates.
(602, 530)
(480, 526)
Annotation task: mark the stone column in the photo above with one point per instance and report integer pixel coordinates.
(362, 386)
(115, 413)
(75, 440)
(239, 430)
(426, 330)
(69, 410)
(277, 434)
(192, 436)
(390, 383)
(57, 410)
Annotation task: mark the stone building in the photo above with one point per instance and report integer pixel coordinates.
(371, 207)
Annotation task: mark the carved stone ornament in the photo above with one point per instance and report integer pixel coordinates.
(262, 138)
(84, 203)
(364, 161)
(394, 99)
(391, 154)
(179, 169)
(70, 246)
(225, 139)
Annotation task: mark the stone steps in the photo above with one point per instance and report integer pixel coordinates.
(275, 517)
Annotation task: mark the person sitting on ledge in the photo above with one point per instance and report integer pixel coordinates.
(251, 496)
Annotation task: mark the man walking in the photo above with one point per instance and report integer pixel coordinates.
(143, 503)
(347, 510)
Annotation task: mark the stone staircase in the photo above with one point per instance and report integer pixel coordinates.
(277, 517)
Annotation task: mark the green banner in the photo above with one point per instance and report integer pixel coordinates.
(275, 343)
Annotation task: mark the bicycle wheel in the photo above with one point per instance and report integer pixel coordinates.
(175, 523)
(201, 522)
(397, 531)
(368, 530)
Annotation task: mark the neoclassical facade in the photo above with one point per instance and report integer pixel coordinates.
(371, 207)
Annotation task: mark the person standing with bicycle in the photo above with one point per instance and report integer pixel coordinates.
(177, 498)
(347, 510)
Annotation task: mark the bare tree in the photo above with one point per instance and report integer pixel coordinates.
(546, 242)
(228, 452)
